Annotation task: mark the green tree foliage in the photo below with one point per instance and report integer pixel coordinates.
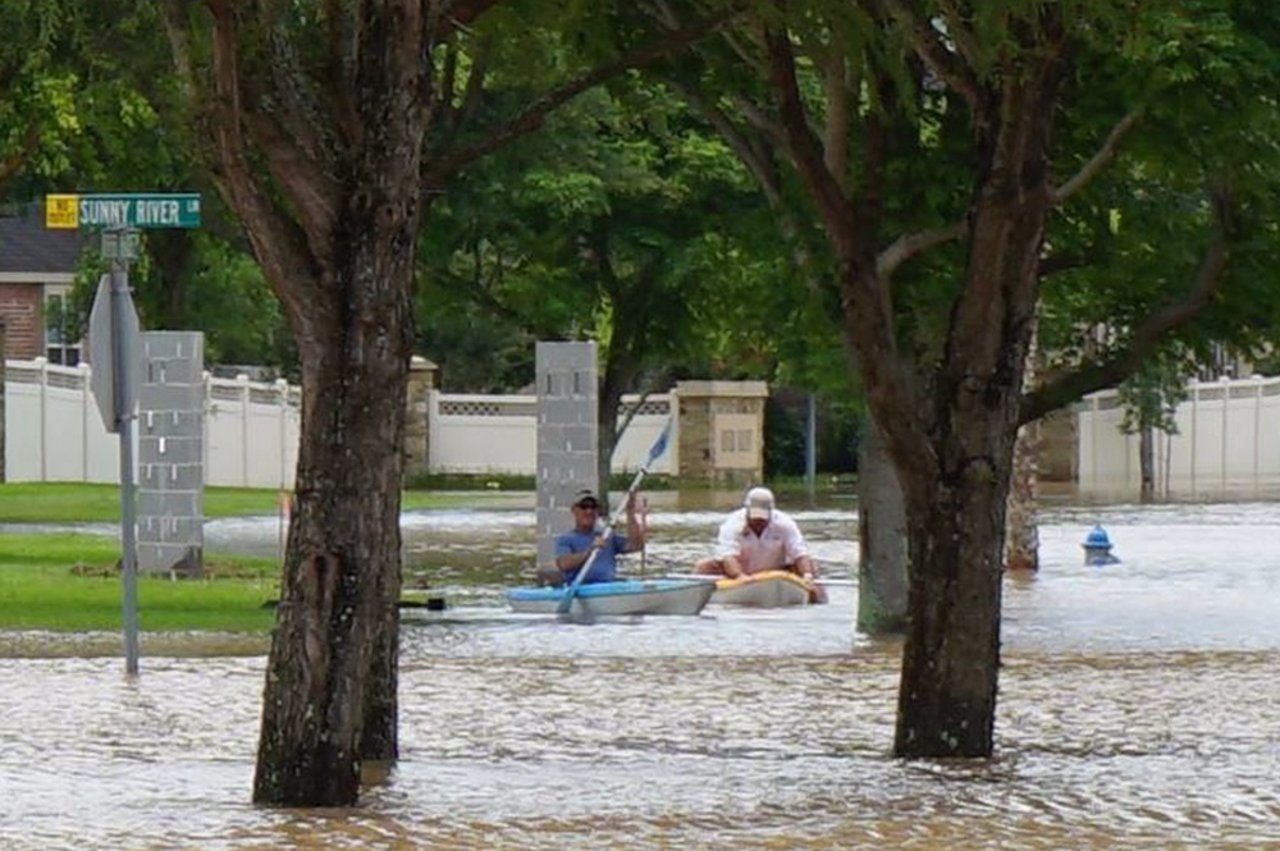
(624, 222)
(40, 116)
(1198, 84)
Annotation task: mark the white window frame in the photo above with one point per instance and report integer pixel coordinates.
(56, 350)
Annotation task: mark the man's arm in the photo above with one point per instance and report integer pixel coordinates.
(728, 542)
(635, 530)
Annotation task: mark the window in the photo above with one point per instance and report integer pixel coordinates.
(735, 446)
(59, 325)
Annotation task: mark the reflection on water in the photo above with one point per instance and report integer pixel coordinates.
(1137, 710)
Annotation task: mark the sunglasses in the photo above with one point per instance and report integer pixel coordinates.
(594, 506)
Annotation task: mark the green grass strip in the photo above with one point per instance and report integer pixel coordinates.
(76, 502)
(69, 583)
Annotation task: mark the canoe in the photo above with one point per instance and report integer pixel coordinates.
(768, 589)
(629, 597)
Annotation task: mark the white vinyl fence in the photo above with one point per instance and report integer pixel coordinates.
(54, 431)
(1226, 445)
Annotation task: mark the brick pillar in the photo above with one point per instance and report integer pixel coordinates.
(417, 426)
(721, 431)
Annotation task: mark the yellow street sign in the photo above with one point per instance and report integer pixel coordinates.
(62, 211)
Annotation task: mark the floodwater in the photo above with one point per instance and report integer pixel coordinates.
(1137, 709)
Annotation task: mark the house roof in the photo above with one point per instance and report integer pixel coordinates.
(27, 246)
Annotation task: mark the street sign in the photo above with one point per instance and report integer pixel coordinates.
(123, 210)
(121, 244)
(102, 380)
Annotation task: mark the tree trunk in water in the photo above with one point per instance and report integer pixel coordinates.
(1022, 530)
(882, 540)
(1147, 462)
(330, 698)
(1022, 536)
(946, 705)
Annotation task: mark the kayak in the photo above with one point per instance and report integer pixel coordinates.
(628, 597)
(769, 589)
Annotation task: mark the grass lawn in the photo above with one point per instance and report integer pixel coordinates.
(68, 583)
(75, 502)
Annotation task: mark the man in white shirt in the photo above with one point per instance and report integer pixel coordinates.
(758, 537)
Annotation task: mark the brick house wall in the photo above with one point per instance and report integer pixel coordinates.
(33, 259)
(20, 313)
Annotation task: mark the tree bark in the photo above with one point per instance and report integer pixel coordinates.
(1022, 534)
(1022, 530)
(882, 540)
(334, 224)
(330, 699)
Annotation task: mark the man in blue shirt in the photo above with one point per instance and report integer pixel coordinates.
(574, 548)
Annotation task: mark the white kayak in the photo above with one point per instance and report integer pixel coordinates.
(629, 597)
(768, 589)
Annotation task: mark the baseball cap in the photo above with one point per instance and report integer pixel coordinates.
(584, 496)
(759, 504)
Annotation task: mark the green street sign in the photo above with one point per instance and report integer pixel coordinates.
(123, 210)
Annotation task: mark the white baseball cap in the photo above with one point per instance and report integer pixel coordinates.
(759, 504)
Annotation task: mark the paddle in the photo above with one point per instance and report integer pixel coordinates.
(655, 452)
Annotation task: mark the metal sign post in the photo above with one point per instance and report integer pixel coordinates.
(115, 341)
(121, 246)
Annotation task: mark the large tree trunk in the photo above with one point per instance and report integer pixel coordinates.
(334, 224)
(882, 540)
(1022, 530)
(1022, 527)
(331, 682)
(957, 491)
(947, 699)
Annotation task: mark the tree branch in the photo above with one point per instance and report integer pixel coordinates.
(1098, 161)
(960, 33)
(1147, 336)
(460, 14)
(805, 147)
(530, 119)
(931, 49)
(909, 245)
(278, 243)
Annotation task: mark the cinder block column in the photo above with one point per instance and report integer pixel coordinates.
(722, 431)
(568, 442)
(171, 454)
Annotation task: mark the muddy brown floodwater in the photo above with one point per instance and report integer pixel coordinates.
(1138, 709)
